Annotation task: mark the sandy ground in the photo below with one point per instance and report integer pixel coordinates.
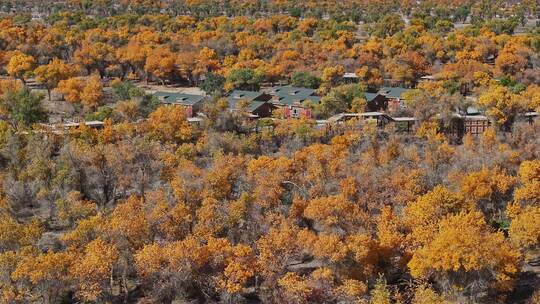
(56, 108)
(151, 88)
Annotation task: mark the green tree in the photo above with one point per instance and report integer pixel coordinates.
(388, 26)
(25, 107)
(243, 79)
(213, 84)
(148, 105)
(125, 90)
(341, 99)
(303, 79)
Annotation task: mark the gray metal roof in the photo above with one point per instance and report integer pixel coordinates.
(178, 98)
(393, 92)
(289, 95)
(292, 91)
(341, 116)
(370, 96)
(244, 95)
(249, 96)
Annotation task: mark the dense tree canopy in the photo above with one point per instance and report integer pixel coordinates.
(151, 205)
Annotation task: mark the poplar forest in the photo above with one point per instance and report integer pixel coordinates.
(270, 151)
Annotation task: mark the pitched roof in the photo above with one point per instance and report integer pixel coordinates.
(248, 96)
(393, 92)
(341, 116)
(289, 100)
(289, 95)
(292, 91)
(370, 96)
(244, 95)
(252, 105)
(178, 98)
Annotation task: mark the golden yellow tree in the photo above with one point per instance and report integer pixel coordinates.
(330, 76)
(424, 294)
(169, 123)
(93, 269)
(20, 65)
(269, 175)
(422, 216)
(524, 212)
(529, 176)
(53, 72)
(129, 222)
(92, 93)
(71, 88)
(160, 63)
(47, 273)
(524, 230)
(501, 105)
(463, 247)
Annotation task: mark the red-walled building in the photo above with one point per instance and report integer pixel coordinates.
(294, 101)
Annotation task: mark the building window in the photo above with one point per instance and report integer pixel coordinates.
(295, 112)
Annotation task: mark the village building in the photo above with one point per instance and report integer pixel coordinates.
(394, 97)
(470, 122)
(405, 124)
(350, 78)
(376, 102)
(429, 78)
(65, 127)
(191, 103)
(93, 124)
(474, 122)
(531, 117)
(257, 104)
(294, 101)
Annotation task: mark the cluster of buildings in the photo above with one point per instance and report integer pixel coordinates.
(297, 102)
(294, 102)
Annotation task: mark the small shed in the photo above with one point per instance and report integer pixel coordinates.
(405, 124)
(350, 78)
(531, 117)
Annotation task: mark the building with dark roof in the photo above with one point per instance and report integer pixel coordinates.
(294, 100)
(376, 102)
(256, 103)
(393, 92)
(394, 96)
(192, 103)
(461, 124)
